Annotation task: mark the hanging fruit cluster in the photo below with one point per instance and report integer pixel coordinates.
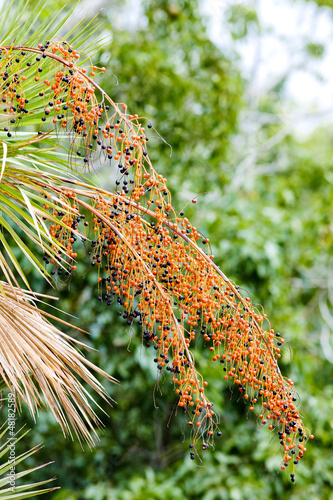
(151, 260)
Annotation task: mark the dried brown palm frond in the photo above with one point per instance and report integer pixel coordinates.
(42, 365)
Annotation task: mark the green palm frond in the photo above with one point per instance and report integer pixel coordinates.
(18, 491)
(22, 198)
(22, 25)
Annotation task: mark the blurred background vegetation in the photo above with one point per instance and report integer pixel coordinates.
(266, 204)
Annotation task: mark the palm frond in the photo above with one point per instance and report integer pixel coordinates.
(23, 25)
(23, 202)
(41, 364)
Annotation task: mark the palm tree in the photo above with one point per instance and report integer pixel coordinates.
(56, 122)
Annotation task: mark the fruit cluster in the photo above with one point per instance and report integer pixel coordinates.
(151, 260)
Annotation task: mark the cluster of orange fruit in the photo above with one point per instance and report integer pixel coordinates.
(152, 260)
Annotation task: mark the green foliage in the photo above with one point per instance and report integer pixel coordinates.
(323, 3)
(316, 50)
(243, 19)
